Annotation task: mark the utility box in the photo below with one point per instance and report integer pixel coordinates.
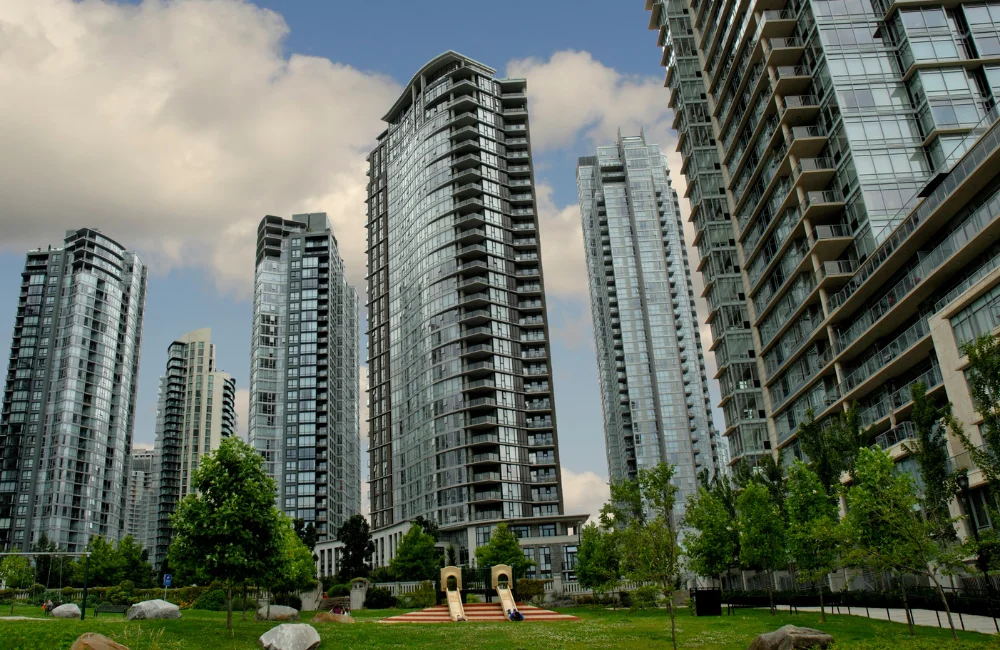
(707, 602)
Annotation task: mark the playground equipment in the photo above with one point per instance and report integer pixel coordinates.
(451, 584)
(502, 578)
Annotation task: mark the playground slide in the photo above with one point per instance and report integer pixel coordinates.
(506, 599)
(455, 610)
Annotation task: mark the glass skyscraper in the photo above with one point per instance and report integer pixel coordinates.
(140, 496)
(304, 371)
(195, 410)
(69, 395)
(821, 144)
(654, 388)
(462, 423)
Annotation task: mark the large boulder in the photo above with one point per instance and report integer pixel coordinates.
(69, 610)
(330, 617)
(290, 637)
(277, 613)
(153, 609)
(94, 641)
(792, 637)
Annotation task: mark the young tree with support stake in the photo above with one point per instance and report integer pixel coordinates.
(641, 513)
(812, 528)
(762, 533)
(886, 529)
(229, 527)
(597, 565)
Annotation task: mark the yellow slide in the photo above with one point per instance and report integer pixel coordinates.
(455, 610)
(506, 599)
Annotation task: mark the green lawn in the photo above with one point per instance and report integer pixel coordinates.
(599, 628)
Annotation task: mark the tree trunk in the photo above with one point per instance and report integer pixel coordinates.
(906, 605)
(947, 609)
(244, 600)
(673, 616)
(822, 610)
(229, 607)
(770, 591)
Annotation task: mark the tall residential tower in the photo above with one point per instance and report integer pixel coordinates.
(838, 159)
(462, 424)
(654, 388)
(304, 371)
(196, 409)
(69, 395)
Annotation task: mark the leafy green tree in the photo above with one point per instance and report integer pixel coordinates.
(812, 528)
(228, 527)
(641, 514)
(709, 542)
(134, 562)
(16, 572)
(106, 565)
(930, 449)
(832, 447)
(416, 557)
(356, 536)
(503, 548)
(292, 569)
(762, 533)
(886, 530)
(51, 570)
(597, 560)
(429, 526)
(306, 532)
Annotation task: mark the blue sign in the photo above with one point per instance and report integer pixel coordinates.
(166, 579)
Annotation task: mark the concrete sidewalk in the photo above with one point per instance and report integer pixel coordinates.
(925, 617)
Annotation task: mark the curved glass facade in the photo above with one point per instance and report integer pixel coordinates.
(462, 424)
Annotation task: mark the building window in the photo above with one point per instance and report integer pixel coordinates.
(547, 530)
(483, 535)
(544, 563)
(529, 554)
(521, 532)
(569, 563)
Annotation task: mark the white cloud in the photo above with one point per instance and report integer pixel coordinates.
(584, 492)
(563, 260)
(174, 127)
(573, 94)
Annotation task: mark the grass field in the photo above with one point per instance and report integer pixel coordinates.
(599, 628)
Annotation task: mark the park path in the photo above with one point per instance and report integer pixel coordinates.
(925, 617)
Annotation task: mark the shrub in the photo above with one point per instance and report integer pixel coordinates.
(528, 588)
(68, 593)
(423, 597)
(37, 589)
(379, 598)
(117, 596)
(645, 597)
(472, 599)
(288, 600)
(213, 601)
(339, 591)
(382, 574)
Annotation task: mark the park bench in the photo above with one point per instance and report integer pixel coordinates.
(111, 609)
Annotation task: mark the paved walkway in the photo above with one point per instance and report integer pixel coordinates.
(926, 617)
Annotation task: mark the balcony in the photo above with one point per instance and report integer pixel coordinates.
(798, 109)
(904, 431)
(478, 459)
(485, 421)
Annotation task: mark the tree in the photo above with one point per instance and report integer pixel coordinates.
(762, 533)
(831, 447)
(886, 530)
(503, 548)
(356, 536)
(930, 450)
(134, 562)
(16, 572)
(106, 566)
(306, 532)
(812, 526)
(709, 538)
(597, 565)
(641, 514)
(429, 526)
(416, 557)
(293, 569)
(51, 570)
(228, 527)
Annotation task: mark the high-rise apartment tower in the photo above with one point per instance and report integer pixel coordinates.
(305, 362)
(462, 422)
(827, 147)
(654, 388)
(140, 497)
(69, 395)
(196, 409)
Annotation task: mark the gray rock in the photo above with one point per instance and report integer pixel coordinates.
(69, 610)
(290, 637)
(792, 637)
(277, 613)
(153, 609)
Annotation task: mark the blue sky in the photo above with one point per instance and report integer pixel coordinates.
(591, 66)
